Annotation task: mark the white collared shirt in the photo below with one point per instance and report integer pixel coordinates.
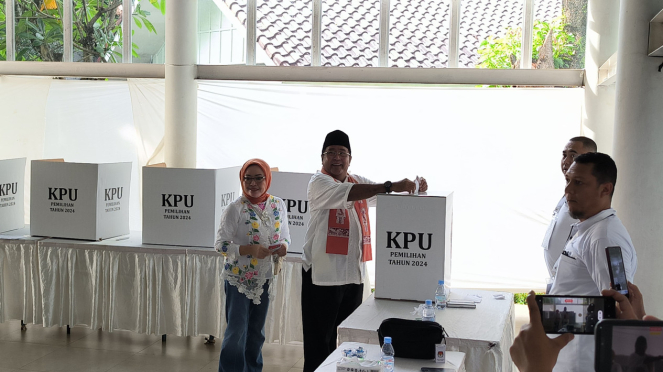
(583, 271)
(558, 234)
(325, 193)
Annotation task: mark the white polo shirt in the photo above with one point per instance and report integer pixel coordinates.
(583, 271)
(558, 234)
(325, 193)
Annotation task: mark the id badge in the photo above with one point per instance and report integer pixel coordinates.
(440, 353)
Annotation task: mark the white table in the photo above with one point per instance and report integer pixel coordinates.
(122, 284)
(20, 288)
(455, 360)
(484, 334)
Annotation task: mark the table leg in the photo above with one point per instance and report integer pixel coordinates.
(68, 330)
(163, 338)
(23, 327)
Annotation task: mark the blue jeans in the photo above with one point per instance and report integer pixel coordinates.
(241, 350)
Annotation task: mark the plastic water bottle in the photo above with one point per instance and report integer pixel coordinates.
(428, 314)
(387, 358)
(440, 295)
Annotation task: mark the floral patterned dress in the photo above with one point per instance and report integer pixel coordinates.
(244, 223)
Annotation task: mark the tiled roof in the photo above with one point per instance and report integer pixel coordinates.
(418, 36)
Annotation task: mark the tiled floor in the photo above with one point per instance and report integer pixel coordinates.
(51, 349)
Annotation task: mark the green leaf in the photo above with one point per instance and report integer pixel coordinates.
(163, 7)
(149, 25)
(140, 25)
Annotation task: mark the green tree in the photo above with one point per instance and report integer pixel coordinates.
(97, 29)
(550, 41)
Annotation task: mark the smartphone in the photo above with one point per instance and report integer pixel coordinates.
(618, 280)
(274, 247)
(574, 314)
(628, 345)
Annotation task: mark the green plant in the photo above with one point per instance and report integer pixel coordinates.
(521, 298)
(504, 52)
(96, 29)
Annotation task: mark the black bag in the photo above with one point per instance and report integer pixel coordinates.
(413, 339)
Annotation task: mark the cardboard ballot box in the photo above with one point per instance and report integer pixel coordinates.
(12, 194)
(184, 206)
(292, 187)
(413, 245)
(79, 200)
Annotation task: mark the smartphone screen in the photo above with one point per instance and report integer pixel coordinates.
(629, 345)
(574, 314)
(617, 272)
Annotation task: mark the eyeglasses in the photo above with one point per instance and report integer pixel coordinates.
(332, 154)
(251, 179)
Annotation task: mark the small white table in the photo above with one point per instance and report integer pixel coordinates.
(485, 334)
(455, 360)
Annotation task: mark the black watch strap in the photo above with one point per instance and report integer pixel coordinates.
(387, 186)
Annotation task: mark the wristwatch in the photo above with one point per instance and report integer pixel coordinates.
(387, 186)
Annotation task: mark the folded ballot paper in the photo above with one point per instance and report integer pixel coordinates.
(354, 364)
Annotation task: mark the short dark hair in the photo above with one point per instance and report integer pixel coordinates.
(587, 143)
(604, 168)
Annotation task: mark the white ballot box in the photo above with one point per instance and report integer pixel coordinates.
(413, 245)
(12, 194)
(184, 206)
(291, 187)
(78, 200)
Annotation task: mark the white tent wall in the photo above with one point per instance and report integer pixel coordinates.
(23, 105)
(83, 121)
(497, 149)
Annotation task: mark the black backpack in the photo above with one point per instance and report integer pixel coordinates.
(413, 339)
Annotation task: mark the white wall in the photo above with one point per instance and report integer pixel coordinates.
(638, 151)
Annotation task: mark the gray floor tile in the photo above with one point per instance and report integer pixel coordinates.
(37, 334)
(158, 363)
(72, 359)
(185, 348)
(117, 340)
(18, 354)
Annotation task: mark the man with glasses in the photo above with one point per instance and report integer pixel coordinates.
(337, 246)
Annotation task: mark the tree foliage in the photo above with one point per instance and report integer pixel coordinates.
(96, 29)
(504, 52)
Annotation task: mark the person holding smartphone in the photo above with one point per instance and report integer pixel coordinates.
(534, 351)
(250, 225)
(582, 269)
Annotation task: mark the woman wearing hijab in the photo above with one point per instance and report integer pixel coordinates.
(253, 235)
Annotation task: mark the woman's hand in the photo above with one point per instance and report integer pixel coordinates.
(282, 251)
(256, 250)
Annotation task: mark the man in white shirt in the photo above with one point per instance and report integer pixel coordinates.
(560, 225)
(337, 246)
(582, 269)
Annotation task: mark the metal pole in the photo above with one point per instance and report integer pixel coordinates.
(454, 31)
(181, 110)
(383, 51)
(316, 33)
(528, 28)
(67, 31)
(251, 10)
(10, 33)
(127, 10)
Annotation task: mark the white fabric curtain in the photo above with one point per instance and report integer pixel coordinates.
(497, 149)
